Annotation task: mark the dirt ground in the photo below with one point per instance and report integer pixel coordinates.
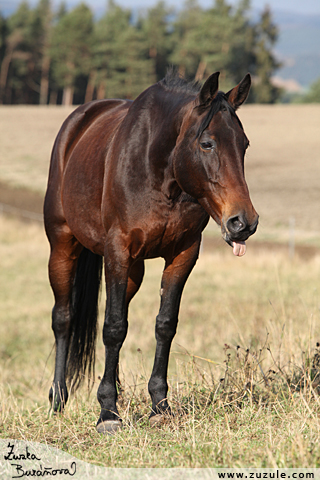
(21, 198)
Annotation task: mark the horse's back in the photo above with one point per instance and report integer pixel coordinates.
(77, 162)
(96, 116)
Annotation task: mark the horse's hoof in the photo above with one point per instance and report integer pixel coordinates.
(157, 419)
(109, 427)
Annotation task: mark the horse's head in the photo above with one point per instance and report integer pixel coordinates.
(209, 160)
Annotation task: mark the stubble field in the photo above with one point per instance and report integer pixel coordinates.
(244, 367)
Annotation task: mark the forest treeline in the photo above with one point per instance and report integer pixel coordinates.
(69, 56)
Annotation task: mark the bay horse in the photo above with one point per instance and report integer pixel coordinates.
(129, 181)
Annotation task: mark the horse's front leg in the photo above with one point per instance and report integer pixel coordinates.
(123, 280)
(174, 277)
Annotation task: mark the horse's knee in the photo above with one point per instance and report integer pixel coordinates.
(166, 327)
(114, 330)
(60, 320)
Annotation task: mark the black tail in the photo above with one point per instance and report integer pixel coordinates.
(84, 318)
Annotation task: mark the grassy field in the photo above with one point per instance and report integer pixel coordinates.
(244, 367)
(243, 370)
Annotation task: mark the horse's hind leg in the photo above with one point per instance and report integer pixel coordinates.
(174, 278)
(65, 250)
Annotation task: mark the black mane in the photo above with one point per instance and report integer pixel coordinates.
(175, 83)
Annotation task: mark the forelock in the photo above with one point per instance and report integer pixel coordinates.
(219, 103)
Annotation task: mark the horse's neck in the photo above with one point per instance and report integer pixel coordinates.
(148, 136)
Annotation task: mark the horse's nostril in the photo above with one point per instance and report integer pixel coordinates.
(236, 224)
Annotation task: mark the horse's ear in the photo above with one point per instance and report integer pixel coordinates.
(238, 95)
(209, 89)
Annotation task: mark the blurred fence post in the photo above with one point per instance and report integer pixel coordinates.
(292, 223)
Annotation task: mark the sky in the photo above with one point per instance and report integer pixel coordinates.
(308, 7)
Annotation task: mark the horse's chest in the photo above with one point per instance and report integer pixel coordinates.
(171, 227)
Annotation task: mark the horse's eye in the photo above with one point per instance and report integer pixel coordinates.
(210, 145)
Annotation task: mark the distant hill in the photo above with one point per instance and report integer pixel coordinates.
(298, 46)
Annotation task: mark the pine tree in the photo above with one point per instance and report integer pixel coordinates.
(121, 57)
(70, 55)
(42, 21)
(220, 38)
(4, 59)
(243, 43)
(16, 68)
(188, 39)
(71, 49)
(156, 27)
(26, 61)
(110, 45)
(266, 36)
(217, 44)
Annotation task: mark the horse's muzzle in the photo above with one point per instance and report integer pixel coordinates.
(238, 229)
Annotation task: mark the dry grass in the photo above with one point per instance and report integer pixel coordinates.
(283, 165)
(27, 134)
(265, 411)
(243, 372)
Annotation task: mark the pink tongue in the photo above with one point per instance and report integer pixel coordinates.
(239, 248)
